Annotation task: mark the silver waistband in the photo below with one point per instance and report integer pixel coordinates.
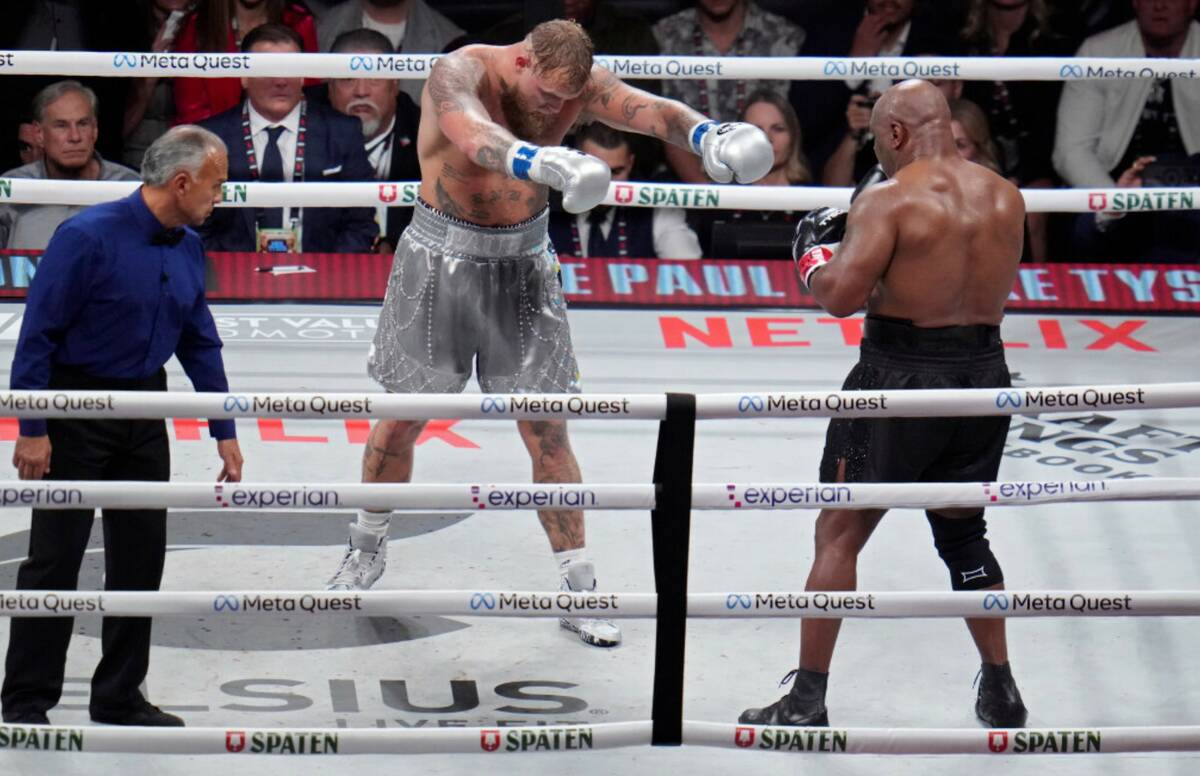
(460, 239)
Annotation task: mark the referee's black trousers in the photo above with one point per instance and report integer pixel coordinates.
(134, 548)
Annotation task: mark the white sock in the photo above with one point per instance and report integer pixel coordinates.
(375, 522)
(567, 557)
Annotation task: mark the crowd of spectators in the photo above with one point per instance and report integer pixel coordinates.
(1039, 134)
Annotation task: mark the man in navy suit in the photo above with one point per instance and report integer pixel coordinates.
(277, 135)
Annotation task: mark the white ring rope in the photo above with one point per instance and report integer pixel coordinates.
(685, 195)
(739, 604)
(136, 494)
(418, 66)
(368, 603)
(959, 603)
(324, 741)
(581, 738)
(1107, 740)
(811, 404)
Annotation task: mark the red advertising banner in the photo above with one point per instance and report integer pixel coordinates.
(331, 277)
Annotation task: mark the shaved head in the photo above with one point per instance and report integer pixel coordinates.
(909, 119)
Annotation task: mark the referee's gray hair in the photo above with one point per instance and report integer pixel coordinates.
(57, 89)
(182, 148)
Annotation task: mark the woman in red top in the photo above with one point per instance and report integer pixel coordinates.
(219, 26)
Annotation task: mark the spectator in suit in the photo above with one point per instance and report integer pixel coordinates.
(729, 28)
(614, 231)
(411, 26)
(1109, 132)
(389, 127)
(222, 26)
(277, 135)
(66, 128)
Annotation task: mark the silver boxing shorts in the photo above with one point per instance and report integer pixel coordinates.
(463, 296)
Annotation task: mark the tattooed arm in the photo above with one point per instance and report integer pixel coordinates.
(609, 100)
(454, 88)
(731, 152)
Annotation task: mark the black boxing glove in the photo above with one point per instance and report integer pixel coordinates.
(817, 236)
(873, 176)
(820, 231)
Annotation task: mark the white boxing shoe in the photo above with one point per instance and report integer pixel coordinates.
(580, 577)
(363, 563)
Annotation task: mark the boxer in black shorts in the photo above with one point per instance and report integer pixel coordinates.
(932, 252)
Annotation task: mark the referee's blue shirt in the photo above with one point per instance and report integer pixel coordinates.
(112, 298)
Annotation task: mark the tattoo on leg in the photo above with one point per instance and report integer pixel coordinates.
(563, 528)
(376, 459)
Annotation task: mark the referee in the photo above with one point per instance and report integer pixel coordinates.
(119, 290)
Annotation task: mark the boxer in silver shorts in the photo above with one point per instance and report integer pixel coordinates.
(461, 294)
(474, 285)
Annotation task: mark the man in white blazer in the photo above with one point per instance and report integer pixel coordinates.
(1110, 130)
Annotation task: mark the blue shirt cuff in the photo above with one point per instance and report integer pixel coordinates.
(32, 427)
(222, 429)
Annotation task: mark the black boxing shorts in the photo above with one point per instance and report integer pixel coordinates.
(895, 355)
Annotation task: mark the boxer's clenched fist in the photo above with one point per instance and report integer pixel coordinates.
(733, 151)
(582, 179)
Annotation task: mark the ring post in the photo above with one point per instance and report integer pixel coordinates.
(670, 526)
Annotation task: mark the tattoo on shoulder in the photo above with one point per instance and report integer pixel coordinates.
(451, 79)
(601, 89)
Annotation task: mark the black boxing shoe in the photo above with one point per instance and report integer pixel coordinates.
(999, 704)
(803, 706)
(143, 715)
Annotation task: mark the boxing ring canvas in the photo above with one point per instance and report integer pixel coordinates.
(314, 671)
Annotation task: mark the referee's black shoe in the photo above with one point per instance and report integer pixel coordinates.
(999, 704)
(27, 718)
(803, 706)
(145, 715)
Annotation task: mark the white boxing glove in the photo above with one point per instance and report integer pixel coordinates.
(582, 179)
(733, 151)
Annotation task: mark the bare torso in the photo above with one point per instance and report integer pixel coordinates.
(456, 185)
(959, 233)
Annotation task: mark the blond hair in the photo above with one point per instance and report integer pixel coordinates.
(977, 29)
(562, 46)
(796, 168)
(975, 123)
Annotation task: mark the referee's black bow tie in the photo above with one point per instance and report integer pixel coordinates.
(168, 237)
